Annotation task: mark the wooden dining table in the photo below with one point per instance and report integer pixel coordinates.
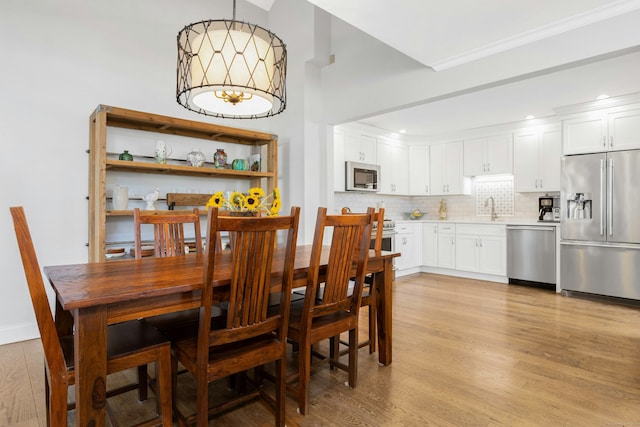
(91, 296)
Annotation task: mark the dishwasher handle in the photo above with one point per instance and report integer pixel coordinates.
(530, 227)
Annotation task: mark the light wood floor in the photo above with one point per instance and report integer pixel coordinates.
(465, 353)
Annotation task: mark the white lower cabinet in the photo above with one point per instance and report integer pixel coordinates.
(447, 246)
(481, 248)
(408, 242)
(430, 244)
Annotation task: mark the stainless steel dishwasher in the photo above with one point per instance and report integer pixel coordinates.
(531, 255)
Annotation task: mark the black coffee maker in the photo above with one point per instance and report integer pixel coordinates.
(545, 208)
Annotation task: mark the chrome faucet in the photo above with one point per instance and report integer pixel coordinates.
(494, 215)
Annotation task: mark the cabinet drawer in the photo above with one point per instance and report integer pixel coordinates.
(403, 227)
(446, 228)
(481, 229)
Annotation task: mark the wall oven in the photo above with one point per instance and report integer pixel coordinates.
(388, 236)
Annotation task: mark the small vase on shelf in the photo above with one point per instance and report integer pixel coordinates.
(220, 158)
(120, 198)
(196, 158)
(238, 165)
(126, 156)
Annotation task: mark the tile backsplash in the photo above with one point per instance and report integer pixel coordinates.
(511, 205)
(502, 192)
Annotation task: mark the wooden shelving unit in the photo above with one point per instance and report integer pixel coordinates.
(100, 163)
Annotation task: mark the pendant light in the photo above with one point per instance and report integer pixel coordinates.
(231, 69)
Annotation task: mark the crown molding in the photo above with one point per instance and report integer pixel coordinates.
(614, 101)
(558, 27)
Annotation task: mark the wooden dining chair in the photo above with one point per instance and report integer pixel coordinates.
(318, 318)
(129, 344)
(252, 335)
(168, 231)
(368, 290)
(169, 240)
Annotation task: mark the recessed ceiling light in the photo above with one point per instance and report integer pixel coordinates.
(529, 117)
(403, 131)
(603, 96)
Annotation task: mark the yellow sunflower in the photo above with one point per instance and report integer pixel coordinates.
(216, 201)
(236, 200)
(251, 202)
(275, 207)
(256, 192)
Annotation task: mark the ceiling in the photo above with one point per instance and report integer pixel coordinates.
(468, 31)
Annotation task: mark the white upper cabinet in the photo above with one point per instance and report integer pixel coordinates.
(360, 148)
(350, 146)
(624, 130)
(393, 158)
(446, 167)
(419, 170)
(489, 155)
(611, 129)
(585, 134)
(537, 154)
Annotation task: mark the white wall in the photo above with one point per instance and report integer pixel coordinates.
(60, 60)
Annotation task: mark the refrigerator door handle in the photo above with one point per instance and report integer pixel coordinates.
(610, 198)
(602, 190)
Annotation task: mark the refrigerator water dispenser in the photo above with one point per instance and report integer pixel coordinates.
(579, 206)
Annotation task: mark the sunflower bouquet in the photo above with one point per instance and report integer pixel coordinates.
(255, 201)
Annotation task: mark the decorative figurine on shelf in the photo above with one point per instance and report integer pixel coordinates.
(126, 156)
(196, 158)
(443, 209)
(220, 158)
(162, 152)
(150, 198)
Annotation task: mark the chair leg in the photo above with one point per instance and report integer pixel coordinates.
(334, 351)
(174, 382)
(304, 377)
(202, 400)
(281, 374)
(57, 404)
(372, 326)
(143, 383)
(164, 386)
(353, 357)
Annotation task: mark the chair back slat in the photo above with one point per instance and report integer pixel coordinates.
(253, 271)
(349, 247)
(378, 220)
(168, 231)
(46, 325)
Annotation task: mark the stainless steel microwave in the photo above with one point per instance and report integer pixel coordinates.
(362, 177)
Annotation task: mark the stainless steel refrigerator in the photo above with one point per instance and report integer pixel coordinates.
(600, 224)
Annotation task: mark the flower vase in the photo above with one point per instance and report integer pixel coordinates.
(120, 198)
(126, 156)
(220, 158)
(196, 158)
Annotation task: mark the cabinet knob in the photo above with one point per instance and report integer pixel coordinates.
(611, 140)
(604, 141)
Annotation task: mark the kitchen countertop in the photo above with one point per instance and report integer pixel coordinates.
(499, 221)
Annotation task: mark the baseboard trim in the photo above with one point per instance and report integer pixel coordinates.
(19, 332)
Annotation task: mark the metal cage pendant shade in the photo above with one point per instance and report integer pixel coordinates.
(231, 69)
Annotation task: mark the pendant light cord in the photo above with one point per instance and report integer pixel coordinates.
(234, 10)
